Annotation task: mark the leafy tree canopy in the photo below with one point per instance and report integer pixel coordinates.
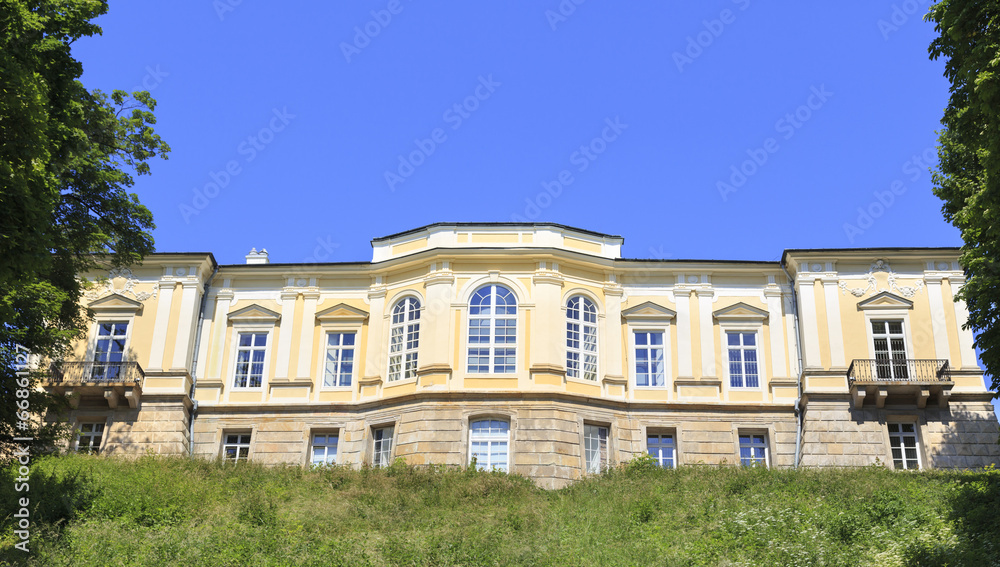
(968, 173)
(67, 158)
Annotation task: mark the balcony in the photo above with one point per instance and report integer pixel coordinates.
(113, 381)
(899, 380)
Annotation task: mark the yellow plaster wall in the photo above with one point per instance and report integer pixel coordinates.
(172, 326)
(822, 324)
(583, 245)
(409, 246)
(494, 238)
(949, 316)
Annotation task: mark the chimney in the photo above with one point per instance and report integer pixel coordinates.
(255, 257)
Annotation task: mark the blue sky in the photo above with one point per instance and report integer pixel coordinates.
(728, 129)
(301, 113)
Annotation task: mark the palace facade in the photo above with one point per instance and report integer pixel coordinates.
(535, 349)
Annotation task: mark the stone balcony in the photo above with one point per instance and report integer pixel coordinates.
(112, 381)
(899, 381)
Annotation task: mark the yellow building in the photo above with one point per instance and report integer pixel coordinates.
(536, 349)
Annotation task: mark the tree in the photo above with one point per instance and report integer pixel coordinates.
(67, 156)
(967, 178)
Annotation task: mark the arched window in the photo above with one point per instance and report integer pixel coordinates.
(492, 330)
(581, 338)
(404, 336)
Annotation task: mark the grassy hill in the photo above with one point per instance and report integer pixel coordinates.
(175, 511)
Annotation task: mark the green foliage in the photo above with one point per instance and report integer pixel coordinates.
(968, 174)
(67, 156)
(177, 511)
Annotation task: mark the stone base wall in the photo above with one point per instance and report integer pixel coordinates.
(155, 427)
(963, 435)
(546, 442)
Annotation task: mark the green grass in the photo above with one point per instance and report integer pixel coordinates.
(176, 511)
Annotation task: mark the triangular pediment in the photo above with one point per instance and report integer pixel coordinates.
(342, 312)
(254, 314)
(741, 311)
(115, 303)
(649, 310)
(885, 300)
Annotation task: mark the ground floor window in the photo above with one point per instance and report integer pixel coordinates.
(236, 447)
(324, 449)
(91, 435)
(662, 448)
(595, 447)
(903, 442)
(489, 440)
(382, 449)
(753, 449)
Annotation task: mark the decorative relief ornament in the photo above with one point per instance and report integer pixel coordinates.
(893, 285)
(107, 287)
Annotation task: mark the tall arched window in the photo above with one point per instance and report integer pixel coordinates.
(404, 336)
(581, 338)
(492, 330)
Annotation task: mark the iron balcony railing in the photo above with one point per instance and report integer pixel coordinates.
(898, 370)
(97, 372)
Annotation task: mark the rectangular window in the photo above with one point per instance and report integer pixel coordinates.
(382, 453)
(250, 360)
(488, 442)
(649, 365)
(890, 350)
(903, 442)
(91, 435)
(339, 359)
(109, 351)
(753, 449)
(595, 447)
(743, 372)
(324, 449)
(236, 447)
(662, 448)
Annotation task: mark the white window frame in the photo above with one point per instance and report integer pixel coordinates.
(238, 444)
(905, 335)
(404, 371)
(660, 433)
(758, 337)
(752, 433)
(104, 424)
(633, 359)
(895, 314)
(341, 348)
(490, 438)
(378, 445)
(239, 329)
(592, 434)
(743, 326)
(326, 435)
(492, 345)
(899, 423)
(580, 351)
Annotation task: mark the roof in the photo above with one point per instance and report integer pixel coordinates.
(496, 224)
